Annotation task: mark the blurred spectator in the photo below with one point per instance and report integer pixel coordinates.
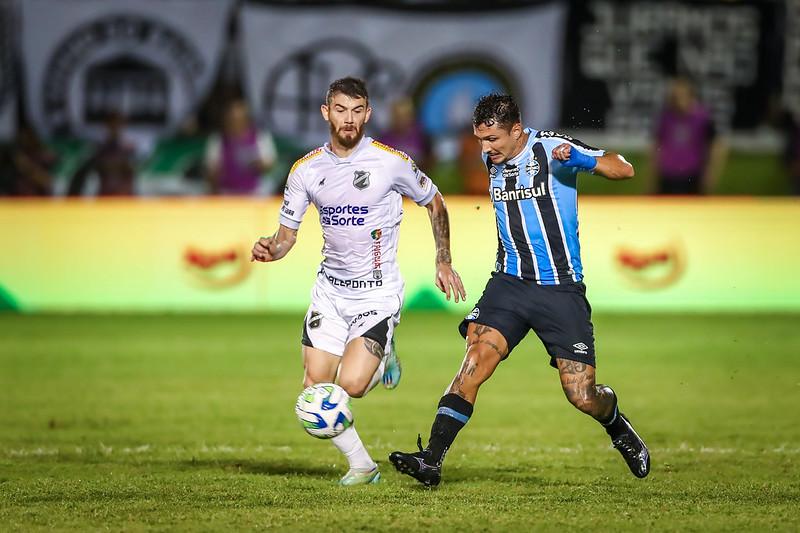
(407, 135)
(113, 162)
(688, 154)
(33, 163)
(791, 154)
(236, 159)
(470, 164)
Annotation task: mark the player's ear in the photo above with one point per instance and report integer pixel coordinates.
(516, 131)
(325, 112)
(367, 114)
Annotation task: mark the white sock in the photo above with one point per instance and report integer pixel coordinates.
(377, 377)
(349, 443)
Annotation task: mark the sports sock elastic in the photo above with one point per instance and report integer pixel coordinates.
(349, 443)
(452, 415)
(614, 426)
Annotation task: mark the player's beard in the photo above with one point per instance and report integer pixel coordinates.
(347, 141)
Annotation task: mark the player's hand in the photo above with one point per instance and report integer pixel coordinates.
(573, 158)
(449, 282)
(265, 250)
(562, 151)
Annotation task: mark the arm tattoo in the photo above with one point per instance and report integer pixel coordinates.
(440, 223)
(374, 347)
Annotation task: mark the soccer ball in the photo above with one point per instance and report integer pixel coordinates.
(324, 410)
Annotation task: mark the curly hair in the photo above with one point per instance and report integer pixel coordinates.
(500, 109)
(350, 86)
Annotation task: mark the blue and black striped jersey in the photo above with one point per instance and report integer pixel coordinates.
(536, 207)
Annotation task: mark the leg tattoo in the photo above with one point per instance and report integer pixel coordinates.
(578, 382)
(475, 364)
(468, 368)
(374, 347)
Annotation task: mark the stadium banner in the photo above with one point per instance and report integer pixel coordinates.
(621, 56)
(8, 84)
(640, 254)
(151, 60)
(444, 60)
(791, 59)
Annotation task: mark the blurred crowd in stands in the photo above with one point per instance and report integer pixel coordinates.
(226, 153)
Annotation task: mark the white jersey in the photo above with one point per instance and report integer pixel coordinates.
(359, 200)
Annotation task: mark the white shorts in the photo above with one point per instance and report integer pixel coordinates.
(332, 321)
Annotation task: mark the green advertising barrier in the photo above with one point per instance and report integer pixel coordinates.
(648, 254)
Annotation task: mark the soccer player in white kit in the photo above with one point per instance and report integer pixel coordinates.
(357, 185)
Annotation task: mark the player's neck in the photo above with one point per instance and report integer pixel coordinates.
(339, 150)
(521, 144)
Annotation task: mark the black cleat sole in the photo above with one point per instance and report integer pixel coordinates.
(400, 464)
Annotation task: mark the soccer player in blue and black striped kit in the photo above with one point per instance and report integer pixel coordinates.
(537, 284)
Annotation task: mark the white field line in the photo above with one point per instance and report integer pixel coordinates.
(491, 449)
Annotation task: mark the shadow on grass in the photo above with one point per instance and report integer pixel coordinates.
(278, 467)
(512, 475)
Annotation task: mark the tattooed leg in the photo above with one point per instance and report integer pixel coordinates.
(486, 347)
(374, 347)
(578, 382)
(360, 361)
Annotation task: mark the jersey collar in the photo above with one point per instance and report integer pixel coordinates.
(365, 141)
(517, 159)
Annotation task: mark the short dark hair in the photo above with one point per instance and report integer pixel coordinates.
(350, 86)
(500, 109)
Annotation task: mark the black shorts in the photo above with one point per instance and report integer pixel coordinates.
(560, 315)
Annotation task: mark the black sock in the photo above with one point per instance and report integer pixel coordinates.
(452, 415)
(614, 425)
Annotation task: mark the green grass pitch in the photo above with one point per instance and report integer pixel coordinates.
(186, 422)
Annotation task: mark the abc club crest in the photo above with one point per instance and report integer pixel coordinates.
(361, 179)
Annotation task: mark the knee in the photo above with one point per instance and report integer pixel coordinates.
(582, 398)
(353, 387)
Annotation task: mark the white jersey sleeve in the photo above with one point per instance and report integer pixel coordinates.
(295, 201)
(411, 182)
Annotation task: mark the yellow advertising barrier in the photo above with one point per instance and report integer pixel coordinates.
(193, 254)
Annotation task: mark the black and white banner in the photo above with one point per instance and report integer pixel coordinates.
(622, 56)
(443, 60)
(151, 60)
(8, 100)
(791, 70)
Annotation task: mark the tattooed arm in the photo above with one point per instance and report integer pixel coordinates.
(447, 279)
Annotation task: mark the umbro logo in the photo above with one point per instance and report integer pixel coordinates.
(322, 182)
(580, 347)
